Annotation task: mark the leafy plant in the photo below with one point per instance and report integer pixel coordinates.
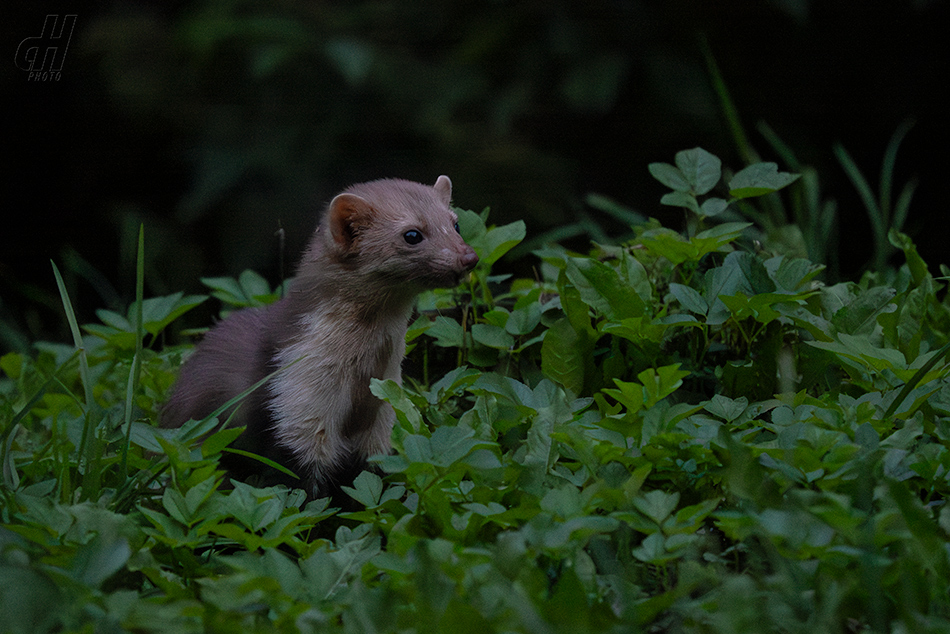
(628, 441)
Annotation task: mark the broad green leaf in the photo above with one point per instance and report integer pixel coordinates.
(642, 331)
(367, 488)
(915, 263)
(499, 240)
(859, 316)
(115, 320)
(690, 519)
(254, 285)
(756, 274)
(174, 503)
(727, 279)
(391, 392)
(227, 289)
(792, 274)
(670, 176)
(726, 408)
(451, 444)
(670, 245)
(701, 169)
(660, 383)
(216, 442)
(524, 319)
(492, 336)
(758, 307)
(654, 386)
(759, 179)
(681, 199)
(602, 288)
(717, 238)
(861, 350)
(509, 389)
(447, 332)
(634, 275)
(100, 558)
(657, 505)
(689, 298)
(713, 206)
(628, 394)
(158, 312)
(199, 494)
(562, 356)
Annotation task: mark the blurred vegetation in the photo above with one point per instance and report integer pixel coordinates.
(216, 123)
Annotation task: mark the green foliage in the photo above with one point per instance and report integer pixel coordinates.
(676, 433)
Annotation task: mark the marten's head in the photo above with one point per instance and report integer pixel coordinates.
(398, 233)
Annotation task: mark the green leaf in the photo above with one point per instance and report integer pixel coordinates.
(602, 288)
(158, 312)
(657, 505)
(689, 298)
(367, 489)
(660, 383)
(524, 320)
(717, 238)
(100, 558)
(727, 279)
(681, 199)
(451, 444)
(492, 336)
(701, 169)
(216, 442)
(655, 385)
(915, 263)
(670, 176)
(759, 179)
(758, 307)
(563, 355)
(391, 392)
(174, 503)
(254, 285)
(670, 245)
(713, 206)
(499, 240)
(447, 332)
(726, 408)
(859, 315)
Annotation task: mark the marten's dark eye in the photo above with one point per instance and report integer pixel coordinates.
(457, 228)
(412, 236)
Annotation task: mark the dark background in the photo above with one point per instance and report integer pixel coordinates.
(215, 122)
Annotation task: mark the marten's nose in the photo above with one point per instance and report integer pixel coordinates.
(469, 259)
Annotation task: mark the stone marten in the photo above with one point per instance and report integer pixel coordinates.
(344, 320)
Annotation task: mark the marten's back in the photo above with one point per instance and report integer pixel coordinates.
(232, 356)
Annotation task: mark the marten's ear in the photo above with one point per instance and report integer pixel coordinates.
(444, 186)
(347, 217)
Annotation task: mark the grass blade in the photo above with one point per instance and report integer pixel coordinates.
(887, 167)
(902, 207)
(915, 380)
(136, 370)
(875, 214)
(780, 147)
(729, 111)
(83, 363)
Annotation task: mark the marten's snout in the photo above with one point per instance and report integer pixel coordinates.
(469, 259)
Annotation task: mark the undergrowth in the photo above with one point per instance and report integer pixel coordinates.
(684, 432)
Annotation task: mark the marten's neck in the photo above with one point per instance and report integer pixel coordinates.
(323, 287)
